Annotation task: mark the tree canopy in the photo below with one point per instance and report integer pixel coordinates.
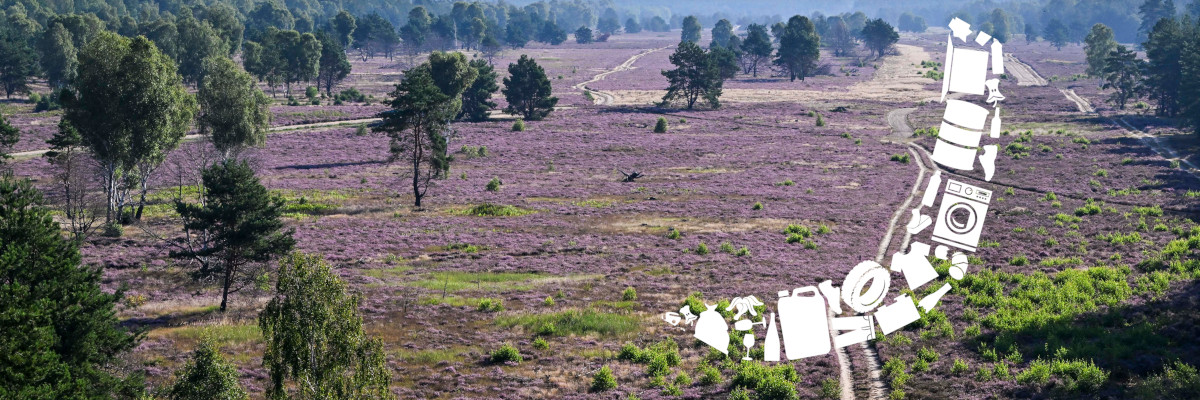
(799, 48)
(878, 35)
(695, 77)
(527, 90)
(234, 114)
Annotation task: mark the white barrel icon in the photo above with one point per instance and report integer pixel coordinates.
(959, 135)
(803, 323)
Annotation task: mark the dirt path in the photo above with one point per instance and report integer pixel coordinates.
(898, 120)
(1080, 103)
(1026, 75)
(605, 98)
(1155, 143)
(25, 155)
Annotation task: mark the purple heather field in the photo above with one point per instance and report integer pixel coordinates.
(1070, 192)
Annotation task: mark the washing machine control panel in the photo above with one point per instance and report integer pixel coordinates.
(971, 192)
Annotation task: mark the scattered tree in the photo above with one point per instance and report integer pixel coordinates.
(60, 328)
(999, 20)
(197, 42)
(476, 99)
(1151, 12)
(207, 376)
(841, 39)
(234, 114)
(1098, 44)
(9, 136)
(343, 25)
(799, 48)
(1165, 48)
(550, 33)
(315, 337)
(694, 77)
(756, 49)
(1056, 32)
(17, 61)
(73, 181)
(632, 25)
(234, 231)
(333, 67)
(583, 35)
(1123, 73)
(527, 90)
(1031, 34)
(721, 32)
(878, 35)
(58, 55)
(691, 29)
(911, 23)
(423, 105)
(130, 109)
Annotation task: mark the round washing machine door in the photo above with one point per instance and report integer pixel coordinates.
(961, 218)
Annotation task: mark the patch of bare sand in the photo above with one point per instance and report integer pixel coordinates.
(899, 78)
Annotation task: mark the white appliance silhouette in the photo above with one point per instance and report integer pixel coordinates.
(803, 323)
(960, 219)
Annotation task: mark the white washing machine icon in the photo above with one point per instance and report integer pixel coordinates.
(960, 220)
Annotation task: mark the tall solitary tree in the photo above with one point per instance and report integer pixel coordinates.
(999, 20)
(632, 25)
(315, 338)
(756, 49)
(583, 35)
(234, 114)
(1151, 12)
(1098, 44)
(695, 77)
(799, 48)
(62, 337)
(207, 376)
(476, 99)
(343, 25)
(691, 30)
(234, 231)
(131, 109)
(878, 35)
(422, 106)
(841, 39)
(527, 90)
(1123, 73)
(1031, 33)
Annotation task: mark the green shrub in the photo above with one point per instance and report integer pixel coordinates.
(603, 380)
(900, 158)
(1000, 371)
(673, 234)
(774, 387)
(1179, 380)
(820, 120)
(491, 305)
(920, 365)
(549, 301)
(702, 248)
(683, 380)
(494, 184)
(1090, 207)
(506, 353)
(547, 329)
(959, 367)
(927, 354)
(830, 389)
(311, 92)
(709, 375)
(658, 365)
(726, 247)
(361, 130)
(1018, 260)
(496, 210)
(1079, 375)
(113, 230)
(757, 206)
(629, 352)
(896, 394)
(518, 126)
(672, 390)
(661, 125)
(630, 294)
(742, 252)
(540, 344)
(739, 394)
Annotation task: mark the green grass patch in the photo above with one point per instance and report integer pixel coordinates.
(454, 281)
(493, 210)
(434, 356)
(575, 322)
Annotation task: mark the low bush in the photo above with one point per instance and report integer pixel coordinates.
(830, 389)
(709, 375)
(494, 185)
(603, 380)
(491, 305)
(661, 125)
(540, 344)
(518, 126)
(630, 294)
(506, 353)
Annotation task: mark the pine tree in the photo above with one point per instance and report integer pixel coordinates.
(17, 61)
(207, 376)
(235, 230)
(632, 25)
(1056, 33)
(476, 100)
(583, 35)
(62, 337)
(422, 107)
(1123, 73)
(343, 25)
(1164, 70)
(527, 90)
(315, 337)
(74, 181)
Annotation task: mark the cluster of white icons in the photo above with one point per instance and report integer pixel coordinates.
(810, 321)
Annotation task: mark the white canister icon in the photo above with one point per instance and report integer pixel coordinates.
(803, 323)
